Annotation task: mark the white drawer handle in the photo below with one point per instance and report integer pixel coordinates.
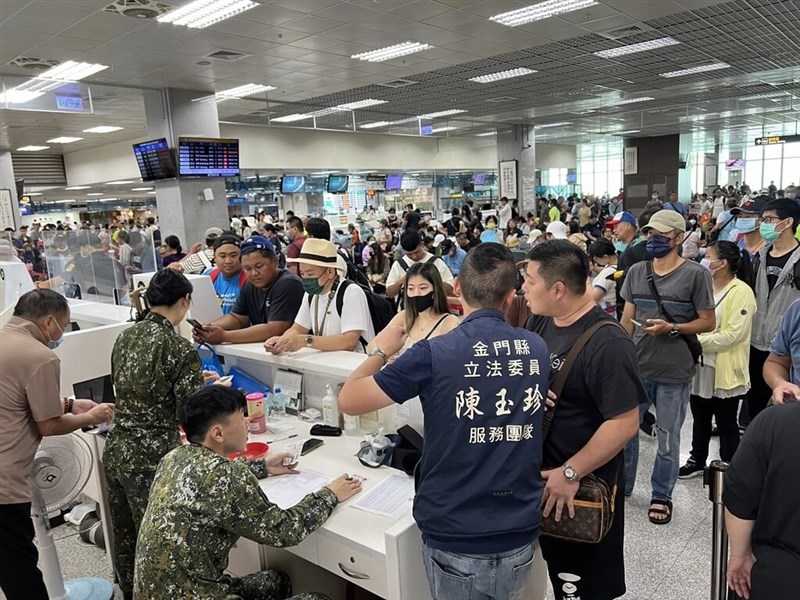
(353, 574)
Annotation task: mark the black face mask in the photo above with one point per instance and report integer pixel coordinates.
(421, 303)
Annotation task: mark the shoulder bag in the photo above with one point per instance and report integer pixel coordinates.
(594, 501)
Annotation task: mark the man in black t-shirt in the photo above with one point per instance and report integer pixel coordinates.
(595, 416)
(761, 516)
(268, 301)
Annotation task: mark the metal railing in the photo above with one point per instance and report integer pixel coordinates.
(714, 479)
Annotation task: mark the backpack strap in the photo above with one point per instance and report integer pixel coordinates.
(214, 274)
(243, 278)
(403, 264)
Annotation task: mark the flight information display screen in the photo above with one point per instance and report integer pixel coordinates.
(208, 157)
(155, 160)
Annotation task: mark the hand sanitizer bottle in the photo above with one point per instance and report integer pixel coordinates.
(330, 408)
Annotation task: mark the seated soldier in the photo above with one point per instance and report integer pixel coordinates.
(201, 503)
(267, 304)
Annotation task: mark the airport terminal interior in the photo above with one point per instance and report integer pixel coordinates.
(152, 128)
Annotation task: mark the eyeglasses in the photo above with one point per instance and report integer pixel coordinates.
(771, 219)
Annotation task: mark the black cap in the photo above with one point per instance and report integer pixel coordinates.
(227, 239)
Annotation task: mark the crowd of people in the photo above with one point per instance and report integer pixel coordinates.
(677, 308)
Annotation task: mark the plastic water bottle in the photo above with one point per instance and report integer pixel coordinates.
(352, 425)
(277, 407)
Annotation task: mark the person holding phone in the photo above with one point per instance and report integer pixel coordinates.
(153, 369)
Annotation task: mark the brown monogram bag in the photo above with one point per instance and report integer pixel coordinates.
(594, 501)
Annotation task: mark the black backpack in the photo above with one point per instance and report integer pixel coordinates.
(381, 309)
(354, 273)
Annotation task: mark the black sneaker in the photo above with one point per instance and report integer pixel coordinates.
(648, 424)
(690, 469)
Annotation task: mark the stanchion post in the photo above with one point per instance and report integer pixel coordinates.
(714, 479)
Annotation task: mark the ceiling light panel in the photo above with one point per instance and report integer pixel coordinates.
(548, 125)
(542, 10)
(64, 140)
(95, 194)
(72, 71)
(141, 189)
(19, 96)
(442, 129)
(290, 118)
(634, 48)
(486, 134)
(78, 187)
(125, 182)
(695, 70)
(492, 77)
(202, 13)
(249, 89)
(633, 100)
(442, 113)
(391, 52)
(375, 125)
(103, 129)
(361, 104)
(32, 148)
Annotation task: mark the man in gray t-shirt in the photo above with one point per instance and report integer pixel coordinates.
(660, 332)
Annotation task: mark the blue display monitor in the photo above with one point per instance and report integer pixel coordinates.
(337, 184)
(394, 182)
(291, 184)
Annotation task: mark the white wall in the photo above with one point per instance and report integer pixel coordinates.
(285, 149)
(556, 155)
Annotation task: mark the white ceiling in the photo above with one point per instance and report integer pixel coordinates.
(303, 48)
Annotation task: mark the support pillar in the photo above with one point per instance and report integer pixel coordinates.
(655, 168)
(517, 143)
(182, 207)
(8, 182)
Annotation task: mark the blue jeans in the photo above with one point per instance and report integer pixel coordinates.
(670, 400)
(501, 576)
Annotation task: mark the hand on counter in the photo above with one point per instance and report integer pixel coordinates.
(345, 487)
(275, 464)
(288, 342)
(210, 334)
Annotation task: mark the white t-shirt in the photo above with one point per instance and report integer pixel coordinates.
(397, 273)
(607, 285)
(707, 206)
(354, 317)
(719, 207)
(503, 215)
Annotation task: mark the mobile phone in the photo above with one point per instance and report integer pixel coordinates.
(196, 324)
(310, 445)
(638, 324)
(224, 380)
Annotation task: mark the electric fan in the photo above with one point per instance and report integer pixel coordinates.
(61, 468)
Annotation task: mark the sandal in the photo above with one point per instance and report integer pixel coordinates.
(660, 507)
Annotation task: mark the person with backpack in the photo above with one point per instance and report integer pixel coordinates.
(267, 303)
(414, 252)
(228, 277)
(334, 313)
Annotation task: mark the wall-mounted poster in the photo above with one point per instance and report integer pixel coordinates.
(508, 179)
(631, 162)
(6, 210)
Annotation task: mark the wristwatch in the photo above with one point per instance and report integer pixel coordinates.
(570, 474)
(378, 352)
(309, 341)
(675, 331)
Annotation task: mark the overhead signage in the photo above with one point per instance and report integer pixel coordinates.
(72, 103)
(777, 139)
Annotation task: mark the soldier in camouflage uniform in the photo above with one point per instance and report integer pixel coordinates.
(201, 503)
(153, 370)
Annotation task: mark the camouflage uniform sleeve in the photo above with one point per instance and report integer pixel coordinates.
(245, 510)
(190, 374)
(257, 467)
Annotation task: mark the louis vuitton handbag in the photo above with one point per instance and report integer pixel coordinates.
(594, 501)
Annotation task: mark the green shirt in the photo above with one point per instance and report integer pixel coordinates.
(200, 504)
(555, 214)
(153, 370)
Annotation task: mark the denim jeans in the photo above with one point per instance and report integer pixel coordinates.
(501, 576)
(671, 401)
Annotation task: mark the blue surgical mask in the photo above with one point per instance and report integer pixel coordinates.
(620, 246)
(746, 225)
(53, 344)
(659, 245)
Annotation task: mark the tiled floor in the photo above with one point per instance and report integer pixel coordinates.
(671, 562)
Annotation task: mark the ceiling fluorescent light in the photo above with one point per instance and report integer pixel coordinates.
(375, 125)
(695, 70)
(768, 96)
(64, 201)
(107, 199)
(144, 189)
(103, 129)
(441, 129)
(72, 71)
(32, 148)
(78, 187)
(202, 13)
(119, 182)
(486, 133)
(249, 89)
(633, 100)
(547, 125)
(19, 96)
(640, 47)
(64, 140)
(442, 113)
(627, 132)
(360, 104)
(290, 118)
(542, 10)
(95, 194)
(391, 52)
(33, 194)
(491, 77)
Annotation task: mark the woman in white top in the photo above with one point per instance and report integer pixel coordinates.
(604, 262)
(694, 238)
(426, 314)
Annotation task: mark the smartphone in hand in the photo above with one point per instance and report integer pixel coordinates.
(196, 324)
(639, 324)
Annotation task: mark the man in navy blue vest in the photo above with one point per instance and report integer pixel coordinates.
(483, 388)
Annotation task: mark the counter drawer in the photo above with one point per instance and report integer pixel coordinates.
(362, 568)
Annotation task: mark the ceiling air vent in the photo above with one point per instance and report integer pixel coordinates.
(501, 99)
(138, 9)
(397, 83)
(619, 33)
(33, 64)
(227, 55)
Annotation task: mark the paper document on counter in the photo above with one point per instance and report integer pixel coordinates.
(392, 497)
(288, 490)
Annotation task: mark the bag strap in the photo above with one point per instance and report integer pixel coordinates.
(561, 378)
(651, 281)
(435, 327)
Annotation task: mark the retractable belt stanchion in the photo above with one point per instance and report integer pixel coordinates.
(714, 479)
